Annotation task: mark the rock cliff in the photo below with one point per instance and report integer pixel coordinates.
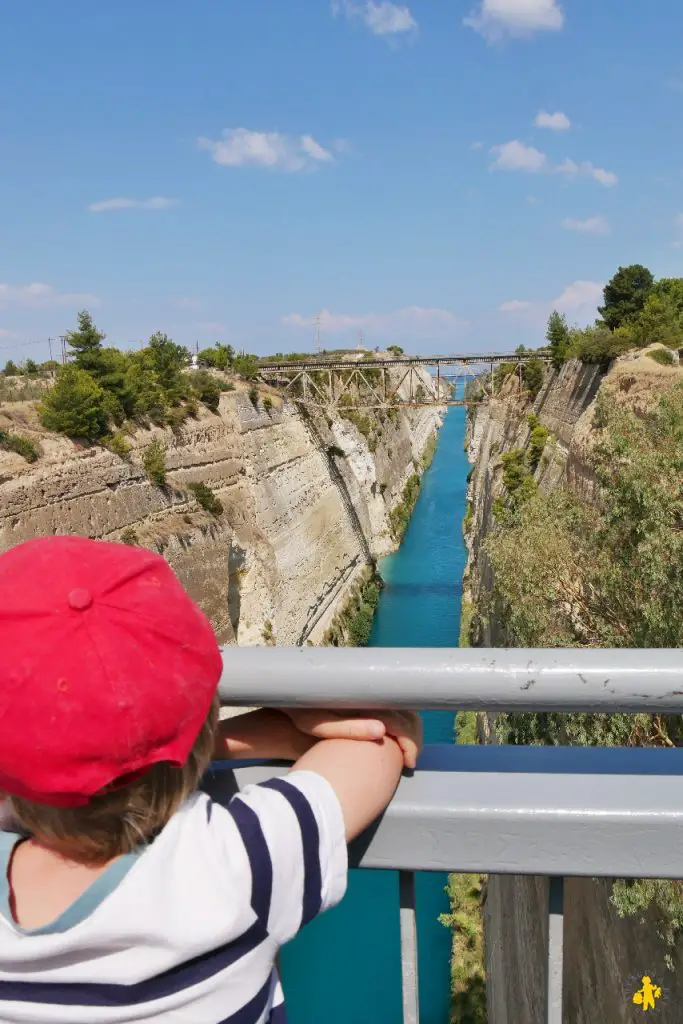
(605, 956)
(299, 523)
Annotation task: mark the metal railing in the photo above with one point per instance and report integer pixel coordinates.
(552, 811)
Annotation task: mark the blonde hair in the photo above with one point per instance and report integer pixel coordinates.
(117, 821)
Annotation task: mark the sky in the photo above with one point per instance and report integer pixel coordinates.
(438, 174)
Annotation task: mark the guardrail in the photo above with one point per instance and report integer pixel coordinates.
(553, 811)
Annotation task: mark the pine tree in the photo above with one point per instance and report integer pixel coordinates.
(75, 406)
(86, 343)
(558, 336)
(11, 369)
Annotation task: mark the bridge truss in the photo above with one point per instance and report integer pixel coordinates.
(396, 383)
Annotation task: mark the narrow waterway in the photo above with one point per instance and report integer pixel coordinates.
(345, 967)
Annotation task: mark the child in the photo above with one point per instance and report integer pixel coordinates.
(125, 893)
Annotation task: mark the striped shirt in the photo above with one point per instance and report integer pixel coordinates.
(186, 931)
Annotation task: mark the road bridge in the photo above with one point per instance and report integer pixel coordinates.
(369, 381)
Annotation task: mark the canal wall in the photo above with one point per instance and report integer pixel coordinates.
(306, 503)
(605, 955)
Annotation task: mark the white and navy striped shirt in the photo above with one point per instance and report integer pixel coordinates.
(186, 931)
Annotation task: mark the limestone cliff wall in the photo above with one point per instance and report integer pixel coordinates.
(298, 525)
(604, 956)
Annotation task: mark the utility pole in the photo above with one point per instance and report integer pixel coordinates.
(49, 341)
(63, 341)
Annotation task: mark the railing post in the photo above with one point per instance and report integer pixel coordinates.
(411, 1000)
(554, 964)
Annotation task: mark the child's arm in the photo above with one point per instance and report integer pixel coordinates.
(363, 775)
(287, 735)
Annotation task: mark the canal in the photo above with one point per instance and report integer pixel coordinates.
(345, 967)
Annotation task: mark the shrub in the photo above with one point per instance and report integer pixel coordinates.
(75, 405)
(207, 389)
(533, 374)
(117, 444)
(267, 632)
(268, 404)
(663, 356)
(19, 444)
(537, 443)
(334, 451)
(206, 498)
(154, 462)
(254, 396)
(129, 536)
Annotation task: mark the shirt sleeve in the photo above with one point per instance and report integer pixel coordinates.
(293, 833)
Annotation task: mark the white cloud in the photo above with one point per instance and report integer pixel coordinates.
(37, 295)
(498, 19)
(590, 226)
(573, 170)
(240, 147)
(410, 320)
(516, 156)
(382, 18)
(557, 122)
(476, 145)
(7, 334)
(123, 203)
(579, 300)
(579, 297)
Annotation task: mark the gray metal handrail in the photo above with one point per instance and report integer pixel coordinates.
(553, 811)
(455, 678)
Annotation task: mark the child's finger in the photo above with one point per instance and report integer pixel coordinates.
(349, 729)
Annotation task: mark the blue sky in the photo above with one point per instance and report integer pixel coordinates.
(439, 173)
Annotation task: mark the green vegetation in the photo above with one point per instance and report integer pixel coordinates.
(267, 633)
(395, 350)
(537, 442)
(21, 445)
(468, 518)
(206, 498)
(353, 624)
(533, 375)
(637, 311)
(75, 406)
(154, 462)
(399, 517)
(268, 404)
(467, 611)
(117, 444)
(662, 355)
(11, 369)
(254, 396)
(101, 386)
(571, 574)
(129, 537)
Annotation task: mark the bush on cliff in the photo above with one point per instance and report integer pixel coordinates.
(75, 405)
(207, 499)
(21, 445)
(154, 462)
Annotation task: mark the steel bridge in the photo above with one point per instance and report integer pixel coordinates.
(380, 383)
(557, 812)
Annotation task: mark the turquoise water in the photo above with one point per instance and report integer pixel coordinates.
(345, 967)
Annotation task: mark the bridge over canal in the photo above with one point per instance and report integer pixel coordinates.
(371, 381)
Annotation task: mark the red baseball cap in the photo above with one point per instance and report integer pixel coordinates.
(106, 667)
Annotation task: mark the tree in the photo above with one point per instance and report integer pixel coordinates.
(395, 350)
(154, 462)
(557, 335)
(625, 295)
(148, 397)
(86, 343)
(246, 366)
(75, 405)
(219, 356)
(11, 369)
(30, 366)
(661, 318)
(168, 360)
(532, 372)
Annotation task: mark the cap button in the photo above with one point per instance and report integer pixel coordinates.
(79, 600)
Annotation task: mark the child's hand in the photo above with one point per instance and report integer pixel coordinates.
(403, 726)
